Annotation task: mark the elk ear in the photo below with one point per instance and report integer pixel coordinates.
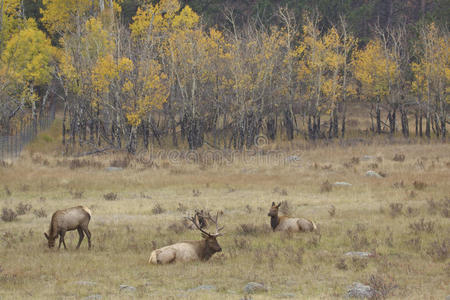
(46, 236)
(279, 204)
(273, 203)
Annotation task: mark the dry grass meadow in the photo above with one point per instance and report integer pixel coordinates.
(402, 218)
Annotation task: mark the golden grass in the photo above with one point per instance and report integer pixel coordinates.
(308, 265)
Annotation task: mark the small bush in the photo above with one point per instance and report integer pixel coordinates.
(248, 209)
(242, 244)
(295, 256)
(443, 206)
(354, 160)
(332, 211)
(280, 191)
(382, 286)
(23, 208)
(419, 185)
(110, 196)
(398, 185)
(75, 164)
(40, 213)
(144, 196)
(373, 166)
(77, 194)
(422, 226)
(411, 194)
(181, 207)
(252, 229)
(314, 240)
(415, 243)
(120, 162)
(411, 212)
(341, 265)
(439, 250)
(196, 192)
(358, 237)
(248, 229)
(359, 264)
(80, 163)
(158, 209)
(383, 174)
(326, 187)
(7, 191)
(327, 167)
(390, 240)
(25, 187)
(396, 209)
(8, 215)
(445, 212)
(399, 157)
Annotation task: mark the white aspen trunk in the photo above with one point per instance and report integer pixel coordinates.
(101, 4)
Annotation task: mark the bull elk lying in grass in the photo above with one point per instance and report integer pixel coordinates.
(285, 223)
(66, 220)
(190, 250)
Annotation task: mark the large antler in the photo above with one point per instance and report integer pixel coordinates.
(192, 219)
(200, 219)
(208, 216)
(214, 220)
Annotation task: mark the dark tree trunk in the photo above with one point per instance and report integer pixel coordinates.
(310, 128)
(64, 124)
(404, 121)
(183, 126)
(428, 124)
(378, 117)
(420, 124)
(271, 128)
(289, 124)
(417, 123)
(195, 132)
(392, 121)
(132, 142)
(336, 124)
(344, 116)
(145, 134)
(443, 127)
(174, 131)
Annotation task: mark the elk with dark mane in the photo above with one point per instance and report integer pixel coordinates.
(190, 250)
(66, 220)
(285, 223)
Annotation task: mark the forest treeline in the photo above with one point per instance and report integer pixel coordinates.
(130, 72)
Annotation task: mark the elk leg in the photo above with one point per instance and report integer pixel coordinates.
(81, 234)
(88, 234)
(61, 238)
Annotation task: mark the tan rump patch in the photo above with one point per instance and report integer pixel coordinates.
(87, 210)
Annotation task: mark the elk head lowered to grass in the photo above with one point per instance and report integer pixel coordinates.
(66, 220)
(190, 250)
(285, 223)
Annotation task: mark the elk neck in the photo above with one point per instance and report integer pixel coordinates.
(274, 221)
(205, 252)
(53, 230)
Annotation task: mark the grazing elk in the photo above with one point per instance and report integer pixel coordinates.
(285, 223)
(66, 220)
(190, 250)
